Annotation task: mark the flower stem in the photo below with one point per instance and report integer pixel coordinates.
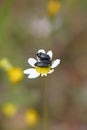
(45, 105)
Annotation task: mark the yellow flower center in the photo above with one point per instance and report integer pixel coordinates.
(42, 70)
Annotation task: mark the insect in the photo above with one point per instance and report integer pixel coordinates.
(43, 57)
(42, 64)
(44, 60)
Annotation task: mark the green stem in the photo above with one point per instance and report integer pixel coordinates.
(45, 105)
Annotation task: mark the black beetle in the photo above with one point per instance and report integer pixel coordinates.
(43, 57)
(42, 64)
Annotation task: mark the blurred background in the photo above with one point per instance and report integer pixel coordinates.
(25, 27)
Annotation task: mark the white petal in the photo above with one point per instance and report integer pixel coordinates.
(32, 61)
(55, 63)
(50, 53)
(43, 75)
(32, 73)
(29, 71)
(51, 71)
(41, 50)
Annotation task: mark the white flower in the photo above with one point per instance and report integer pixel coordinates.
(39, 27)
(36, 71)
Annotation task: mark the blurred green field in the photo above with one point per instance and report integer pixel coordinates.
(25, 27)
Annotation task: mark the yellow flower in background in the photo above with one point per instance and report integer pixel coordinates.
(53, 7)
(5, 64)
(31, 117)
(15, 74)
(9, 109)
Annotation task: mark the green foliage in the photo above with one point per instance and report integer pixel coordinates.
(4, 13)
